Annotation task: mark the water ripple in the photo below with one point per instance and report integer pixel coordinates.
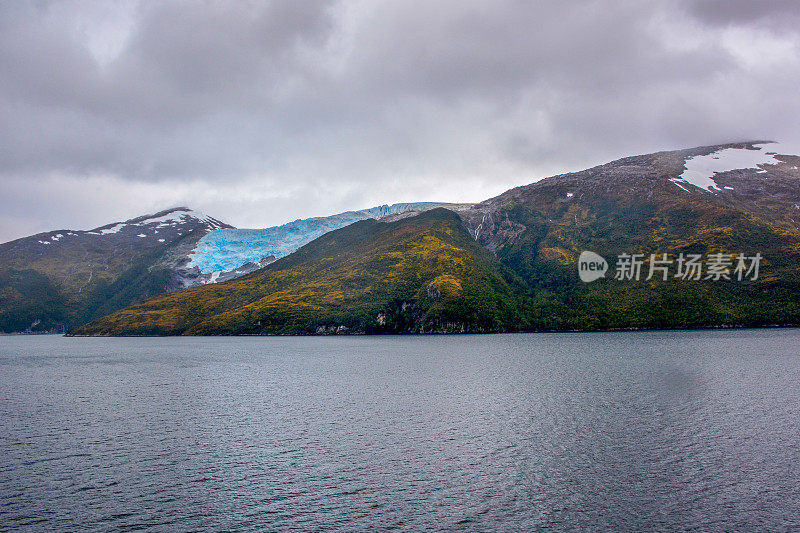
(613, 431)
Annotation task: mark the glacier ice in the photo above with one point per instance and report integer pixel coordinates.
(227, 249)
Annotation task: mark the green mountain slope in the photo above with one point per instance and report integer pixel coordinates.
(418, 274)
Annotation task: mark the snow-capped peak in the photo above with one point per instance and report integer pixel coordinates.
(167, 218)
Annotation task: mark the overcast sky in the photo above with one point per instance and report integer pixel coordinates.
(260, 113)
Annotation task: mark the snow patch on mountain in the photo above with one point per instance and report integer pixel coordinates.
(169, 218)
(227, 249)
(179, 216)
(677, 181)
(700, 170)
(112, 229)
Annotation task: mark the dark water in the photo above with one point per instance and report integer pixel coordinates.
(606, 431)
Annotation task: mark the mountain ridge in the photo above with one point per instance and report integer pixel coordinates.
(82, 274)
(649, 204)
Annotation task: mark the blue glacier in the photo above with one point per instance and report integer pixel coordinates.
(225, 250)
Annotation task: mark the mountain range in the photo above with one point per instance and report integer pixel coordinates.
(510, 263)
(54, 281)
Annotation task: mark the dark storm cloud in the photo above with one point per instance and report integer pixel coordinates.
(266, 111)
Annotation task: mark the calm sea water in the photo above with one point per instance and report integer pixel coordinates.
(602, 431)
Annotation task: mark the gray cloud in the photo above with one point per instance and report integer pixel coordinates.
(267, 111)
(775, 13)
